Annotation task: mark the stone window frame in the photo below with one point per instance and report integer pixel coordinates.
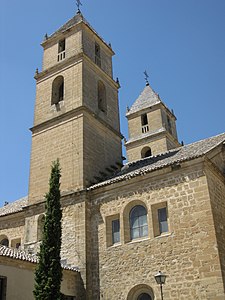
(144, 123)
(97, 54)
(136, 214)
(16, 243)
(126, 221)
(155, 219)
(62, 49)
(109, 237)
(146, 152)
(58, 90)
(3, 239)
(139, 289)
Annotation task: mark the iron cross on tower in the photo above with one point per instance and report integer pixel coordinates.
(146, 77)
(78, 2)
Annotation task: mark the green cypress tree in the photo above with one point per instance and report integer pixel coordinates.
(48, 274)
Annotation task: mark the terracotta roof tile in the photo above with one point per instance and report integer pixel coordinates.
(22, 255)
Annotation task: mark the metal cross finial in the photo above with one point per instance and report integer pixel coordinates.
(78, 2)
(146, 77)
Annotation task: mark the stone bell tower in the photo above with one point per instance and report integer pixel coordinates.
(152, 126)
(76, 113)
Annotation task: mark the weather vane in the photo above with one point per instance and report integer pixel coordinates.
(78, 2)
(146, 77)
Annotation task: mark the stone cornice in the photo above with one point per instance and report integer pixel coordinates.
(67, 117)
(68, 63)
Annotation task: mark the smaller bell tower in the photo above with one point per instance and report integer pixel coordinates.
(152, 126)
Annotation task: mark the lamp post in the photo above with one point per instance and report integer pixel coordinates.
(160, 279)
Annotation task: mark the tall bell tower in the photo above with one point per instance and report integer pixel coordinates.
(76, 112)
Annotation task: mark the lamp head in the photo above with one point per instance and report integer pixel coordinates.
(160, 278)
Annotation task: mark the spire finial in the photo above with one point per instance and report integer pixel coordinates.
(78, 3)
(146, 77)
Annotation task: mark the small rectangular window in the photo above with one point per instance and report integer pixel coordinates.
(61, 46)
(169, 125)
(115, 231)
(144, 119)
(162, 218)
(61, 50)
(112, 230)
(144, 123)
(97, 55)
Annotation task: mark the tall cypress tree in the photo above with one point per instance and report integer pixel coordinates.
(48, 274)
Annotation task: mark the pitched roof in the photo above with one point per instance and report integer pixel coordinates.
(172, 157)
(147, 98)
(13, 207)
(23, 255)
(78, 18)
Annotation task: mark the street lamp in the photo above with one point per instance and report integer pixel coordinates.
(160, 279)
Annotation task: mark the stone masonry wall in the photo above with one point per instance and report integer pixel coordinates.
(12, 227)
(89, 40)
(217, 195)
(187, 253)
(91, 76)
(64, 142)
(44, 111)
(154, 122)
(157, 146)
(102, 149)
(73, 46)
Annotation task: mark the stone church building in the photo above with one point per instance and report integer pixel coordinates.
(162, 210)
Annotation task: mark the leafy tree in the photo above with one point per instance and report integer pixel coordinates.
(48, 274)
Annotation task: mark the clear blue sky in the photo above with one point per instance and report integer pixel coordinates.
(180, 43)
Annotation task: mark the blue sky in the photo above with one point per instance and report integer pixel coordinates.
(180, 43)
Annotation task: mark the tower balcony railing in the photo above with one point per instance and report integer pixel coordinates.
(62, 55)
(145, 128)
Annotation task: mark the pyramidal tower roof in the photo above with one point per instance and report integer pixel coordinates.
(75, 20)
(147, 98)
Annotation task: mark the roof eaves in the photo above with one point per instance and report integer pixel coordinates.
(139, 172)
(24, 256)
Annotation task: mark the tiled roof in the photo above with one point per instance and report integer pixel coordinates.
(147, 98)
(22, 255)
(172, 157)
(13, 207)
(17, 254)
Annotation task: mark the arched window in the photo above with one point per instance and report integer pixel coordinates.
(138, 222)
(57, 90)
(4, 242)
(40, 227)
(144, 296)
(102, 105)
(141, 292)
(146, 152)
